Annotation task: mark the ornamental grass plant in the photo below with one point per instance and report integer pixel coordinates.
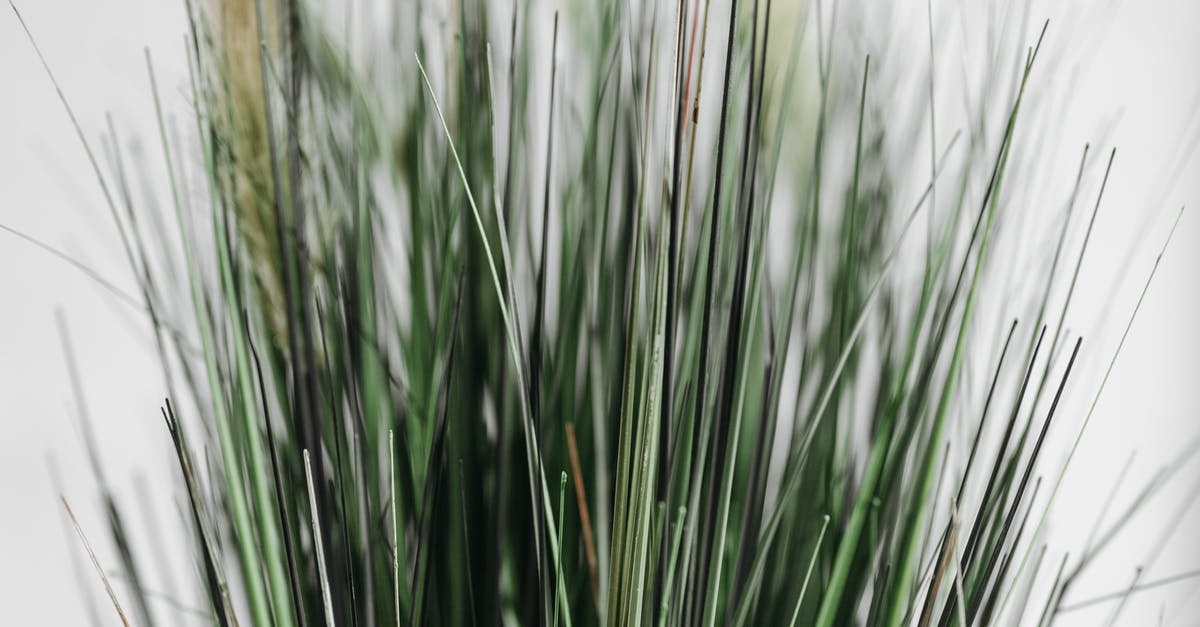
(623, 313)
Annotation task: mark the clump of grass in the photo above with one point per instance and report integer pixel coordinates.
(404, 320)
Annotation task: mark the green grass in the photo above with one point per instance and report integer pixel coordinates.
(388, 322)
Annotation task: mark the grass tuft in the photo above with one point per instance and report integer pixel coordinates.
(747, 370)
